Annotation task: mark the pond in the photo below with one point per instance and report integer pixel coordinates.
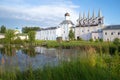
(19, 57)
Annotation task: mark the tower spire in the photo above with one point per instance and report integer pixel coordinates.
(99, 13)
(93, 14)
(84, 15)
(79, 16)
(89, 14)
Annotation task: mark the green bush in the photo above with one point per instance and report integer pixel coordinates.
(80, 39)
(101, 40)
(18, 41)
(96, 40)
(91, 40)
(116, 41)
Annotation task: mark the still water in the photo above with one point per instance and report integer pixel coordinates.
(12, 57)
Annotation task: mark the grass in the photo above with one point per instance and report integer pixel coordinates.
(55, 44)
(101, 47)
(91, 67)
(95, 66)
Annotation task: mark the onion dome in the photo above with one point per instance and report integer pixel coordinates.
(67, 14)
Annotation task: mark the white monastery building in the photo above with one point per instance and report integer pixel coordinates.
(52, 33)
(111, 32)
(87, 27)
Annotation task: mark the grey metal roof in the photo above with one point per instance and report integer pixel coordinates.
(49, 28)
(97, 31)
(112, 27)
(67, 22)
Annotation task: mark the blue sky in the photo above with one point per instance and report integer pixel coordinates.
(48, 13)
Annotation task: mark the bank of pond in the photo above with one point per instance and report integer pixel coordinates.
(60, 61)
(100, 47)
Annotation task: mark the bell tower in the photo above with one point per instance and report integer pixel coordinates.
(67, 16)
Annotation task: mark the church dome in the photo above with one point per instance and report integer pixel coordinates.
(67, 14)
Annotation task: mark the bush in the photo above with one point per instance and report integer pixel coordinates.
(91, 40)
(116, 41)
(96, 40)
(101, 40)
(80, 39)
(18, 41)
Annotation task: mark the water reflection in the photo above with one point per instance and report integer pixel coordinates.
(22, 57)
(30, 51)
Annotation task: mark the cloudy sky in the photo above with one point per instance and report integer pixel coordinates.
(49, 13)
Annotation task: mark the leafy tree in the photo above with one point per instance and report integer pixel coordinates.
(3, 29)
(9, 36)
(31, 36)
(27, 29)
(71, 35)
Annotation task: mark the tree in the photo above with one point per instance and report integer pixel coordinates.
(31, 36)
(71, 35)
(9, 35)
(3, 29)
(27, 29)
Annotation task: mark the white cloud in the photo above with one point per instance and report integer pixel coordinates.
(47, 14)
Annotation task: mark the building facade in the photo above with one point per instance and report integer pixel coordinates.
(87, 27)
(52, 33)
(111, 32)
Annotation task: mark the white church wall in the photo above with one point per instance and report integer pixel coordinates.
(97, 35)
(48, 34)
(110, 35)
(86, 32)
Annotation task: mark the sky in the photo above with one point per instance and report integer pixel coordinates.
(49, 13)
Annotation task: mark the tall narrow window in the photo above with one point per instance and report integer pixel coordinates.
(105, 33)
(111, 33)
(118, 33)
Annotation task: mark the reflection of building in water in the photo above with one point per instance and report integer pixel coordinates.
(60, 54)
(40, 50)
(66, 54)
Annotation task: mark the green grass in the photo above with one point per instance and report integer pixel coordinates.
(92, 67)
(55, 44)
(95, 66)
(101, 47)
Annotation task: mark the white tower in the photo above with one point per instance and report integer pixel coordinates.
(66, 25)
(67, 16)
